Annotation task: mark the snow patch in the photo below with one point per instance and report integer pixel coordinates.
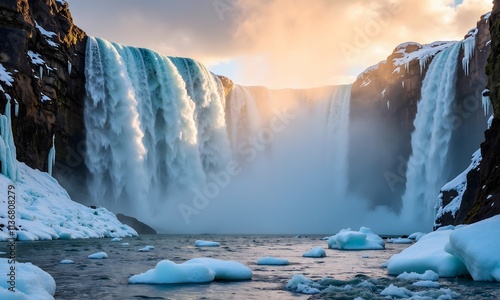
(458, 184)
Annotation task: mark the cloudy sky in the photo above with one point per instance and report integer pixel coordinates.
(279, 43)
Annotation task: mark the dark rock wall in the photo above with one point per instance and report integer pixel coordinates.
(483, 200)
(39, 120)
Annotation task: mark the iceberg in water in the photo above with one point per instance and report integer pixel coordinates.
(31, 282)
(364, 239)
(315, 252)
(202, 243)
(272, 261)
(224, 269)
(427, 254)
(477, 246)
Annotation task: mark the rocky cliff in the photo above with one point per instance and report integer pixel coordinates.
(384, 105)
(44, 52)
(478, 197)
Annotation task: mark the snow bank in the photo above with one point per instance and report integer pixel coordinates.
(32, 283)
(202, 243)
(167, 271)
(224, 269)
(364, 239)
(315, 252)
(273, 261)
(424, 53)
(45, 211)
(477, 246)
(427, 254)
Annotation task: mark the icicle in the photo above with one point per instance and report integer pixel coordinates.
(69, 68)
(468, 45)
(52, 155)
(388, 104)
(485, 97)
(41, 73)
(16, 108)
(7, 146)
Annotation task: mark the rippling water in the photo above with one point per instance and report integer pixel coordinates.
(108, 278)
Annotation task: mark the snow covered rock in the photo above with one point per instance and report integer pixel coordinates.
(315, 252)
(272, 261)
(364, 239)
(478, 247)
(32, 283)
(202, 243)
(167, 271)
(427, 254)
(224, 269)
(146, 249)
(44, 211)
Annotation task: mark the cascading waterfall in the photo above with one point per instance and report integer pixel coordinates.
(142, 126)
(434, 122)
(203, 88)
(243, 117)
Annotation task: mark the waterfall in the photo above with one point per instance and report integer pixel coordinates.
(51, 161)
(434, 123)
(147, 132)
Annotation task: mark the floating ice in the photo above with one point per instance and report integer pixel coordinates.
(426, 283)
(98, 255)
(167, 271)
(202, 243)
(224, 269)
(116, 239)
(146, 249)
(427, 275)
(301, 284)
(477, 246)
(272, 261)
(315, 252)
(31, 282)
(66, 261)
(364, 239)
(416, 236)
(399, 240)
(427, 254)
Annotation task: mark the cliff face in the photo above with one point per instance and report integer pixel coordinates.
(482, 200)
(384, 105)
(45, 54)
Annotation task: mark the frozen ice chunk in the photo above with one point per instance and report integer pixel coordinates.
(427, 254)
(315, 252)
(167, 271)
(268, 260)
(477, 248)
(224, 269)
(202, 243)
(98, 255)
